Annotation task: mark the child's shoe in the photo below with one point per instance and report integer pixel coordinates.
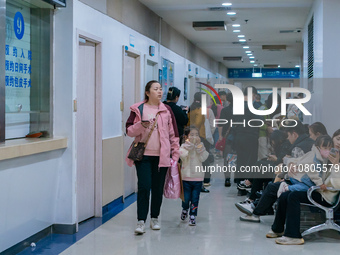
(184, 215)
(192, 220)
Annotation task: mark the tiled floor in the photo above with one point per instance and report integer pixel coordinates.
(218, 231)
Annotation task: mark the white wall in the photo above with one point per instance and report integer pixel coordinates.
(27, 195)
(114, 36)
(324, 103)
(37, 191)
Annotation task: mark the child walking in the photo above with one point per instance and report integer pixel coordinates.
(192, 154)
(309, 168)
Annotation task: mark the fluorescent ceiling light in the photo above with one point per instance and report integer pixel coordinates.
(236, 25)
(248, 51)
(241, 36)
(242, 40)
(252, 57)
(236, 31)
(227, 4)
(231, 13)
(255, 64)
(297, 66)
(250, 54)
(252, 61)
(245, 47)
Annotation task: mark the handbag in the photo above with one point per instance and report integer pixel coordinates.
(137, 149)
(220, 145)
(173, 181)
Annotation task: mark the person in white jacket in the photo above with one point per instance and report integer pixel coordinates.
(192, 154)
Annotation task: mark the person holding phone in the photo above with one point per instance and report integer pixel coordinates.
(152, 118)
(286, 226)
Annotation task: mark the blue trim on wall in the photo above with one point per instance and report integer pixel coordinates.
(57, 243)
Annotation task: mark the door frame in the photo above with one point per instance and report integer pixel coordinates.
(129, 51)
(137, 55)
(154, 65)
(98, 197)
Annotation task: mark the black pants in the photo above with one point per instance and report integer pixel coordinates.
(257, 185)
(149, 177)
(268, 198)
(260, 179)
(246, 146)
(288, 212)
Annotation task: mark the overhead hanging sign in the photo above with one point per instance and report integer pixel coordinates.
(266, 73)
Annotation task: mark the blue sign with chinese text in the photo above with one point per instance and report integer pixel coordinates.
(267, 73)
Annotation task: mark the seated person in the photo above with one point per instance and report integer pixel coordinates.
(280, 146)
(309, 167)
(286, 226)
(300, 144)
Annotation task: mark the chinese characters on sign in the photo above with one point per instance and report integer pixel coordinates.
(18, 69)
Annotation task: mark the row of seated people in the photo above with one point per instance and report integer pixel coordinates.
(301, 160)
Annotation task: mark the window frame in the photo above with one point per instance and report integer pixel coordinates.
(3, 71)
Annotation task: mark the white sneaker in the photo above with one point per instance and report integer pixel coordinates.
(140, 227)
(283, 188)
(272, 234)
(154, 224)
(246, 207)
(250, 218)
(285, 240)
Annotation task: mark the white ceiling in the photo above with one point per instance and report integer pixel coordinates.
(265, 19)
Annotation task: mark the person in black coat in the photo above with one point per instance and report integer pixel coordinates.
(301, 143)
(180, 114)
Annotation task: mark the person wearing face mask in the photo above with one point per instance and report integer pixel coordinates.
(303, 177)
(286, 226)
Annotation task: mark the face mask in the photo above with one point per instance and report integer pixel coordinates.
(324, 153)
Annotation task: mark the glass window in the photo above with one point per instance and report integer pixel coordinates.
(27, 70)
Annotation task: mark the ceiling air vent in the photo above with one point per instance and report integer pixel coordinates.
(209, 25)
(290, 31)
(271, 66)
(232, 58)
(274, 47)
(219, 9)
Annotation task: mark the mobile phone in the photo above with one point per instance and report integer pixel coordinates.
(333, 152)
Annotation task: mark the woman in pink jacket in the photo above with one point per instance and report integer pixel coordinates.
(162, 145)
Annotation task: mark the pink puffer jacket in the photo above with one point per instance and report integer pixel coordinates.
(168, 133)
